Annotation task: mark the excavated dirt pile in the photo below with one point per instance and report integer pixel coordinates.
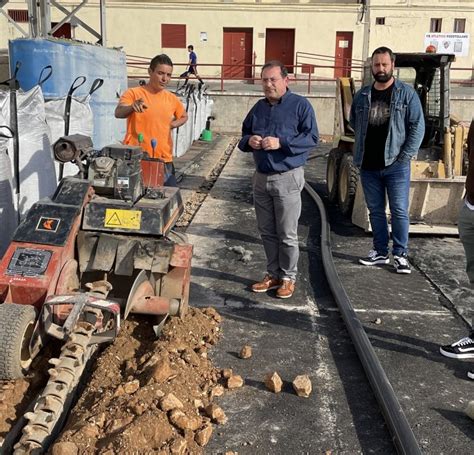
(147, 395)
(143, 395)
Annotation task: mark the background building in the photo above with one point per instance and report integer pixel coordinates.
(330, 35)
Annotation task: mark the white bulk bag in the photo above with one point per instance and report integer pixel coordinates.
(37, 173)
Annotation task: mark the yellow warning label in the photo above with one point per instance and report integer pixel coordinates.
(122, 219)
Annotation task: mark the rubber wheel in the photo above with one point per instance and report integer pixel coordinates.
(332, 171)
(17, 323)
(347, 184)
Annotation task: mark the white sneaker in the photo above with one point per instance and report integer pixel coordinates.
(401, 264)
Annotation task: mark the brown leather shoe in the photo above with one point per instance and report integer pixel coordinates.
(285, 291)
(266, 284)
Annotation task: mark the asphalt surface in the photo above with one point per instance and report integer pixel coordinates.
(305, 334)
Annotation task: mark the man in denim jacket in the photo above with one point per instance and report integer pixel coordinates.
(388, 122)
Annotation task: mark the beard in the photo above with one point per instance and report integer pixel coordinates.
(382, 77)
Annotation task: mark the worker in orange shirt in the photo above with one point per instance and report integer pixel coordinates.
(152, 112)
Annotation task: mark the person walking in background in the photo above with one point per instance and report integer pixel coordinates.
(192, 67)
(464, 348)
(152, 112)
(280, 131)
(389, 126)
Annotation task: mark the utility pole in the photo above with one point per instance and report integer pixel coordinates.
(365, 19)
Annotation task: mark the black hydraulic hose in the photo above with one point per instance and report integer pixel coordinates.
(397, 423)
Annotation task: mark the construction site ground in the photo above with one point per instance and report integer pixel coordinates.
(125, 407)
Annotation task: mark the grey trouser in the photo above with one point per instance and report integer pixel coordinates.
(466, 234)
(277, 199)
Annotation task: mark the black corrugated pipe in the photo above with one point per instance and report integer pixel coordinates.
(397, 423)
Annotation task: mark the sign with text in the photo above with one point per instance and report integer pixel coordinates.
(449, 43)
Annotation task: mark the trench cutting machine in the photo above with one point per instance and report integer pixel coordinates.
(101, 248)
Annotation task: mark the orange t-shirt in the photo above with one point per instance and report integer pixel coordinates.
(155, 122)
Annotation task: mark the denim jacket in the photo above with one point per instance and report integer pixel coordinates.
(406, 125)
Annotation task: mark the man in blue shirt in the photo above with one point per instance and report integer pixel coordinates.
(280, 131)
(192, 67)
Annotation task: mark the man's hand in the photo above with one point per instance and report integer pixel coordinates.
(270, 143)
(139, 105)
(255, 142)
(124, 110)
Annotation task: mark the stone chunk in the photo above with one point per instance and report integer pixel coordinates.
(226, 373)
(273, 382)
(211, 312)
(169, 402)
(302, 385)
(217, 391)
(118, 424)
(178, 446)
(203, 435)
(216, 413)
(162, 370)
(189, 356)
(234, 382)
(183, 422)
(131, 387)
(246, 352)
(65, 448)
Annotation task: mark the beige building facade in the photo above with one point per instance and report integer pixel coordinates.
(321, 37)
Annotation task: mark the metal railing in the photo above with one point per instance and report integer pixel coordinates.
(303, 74)
(238, 72)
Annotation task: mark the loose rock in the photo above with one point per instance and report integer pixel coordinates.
(246, 352)
(169, 402)
(217, 391)
(302, 385)
(178, 446)
(234, 382)
(273, 382)
(212, 313)
(162, 370)
(216, 413)
(64, 448)
(118, 424)
(131, 387)
(182, 421)
(227, 373)
(203, 436)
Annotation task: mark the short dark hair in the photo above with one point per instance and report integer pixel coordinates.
(191, 47)
(161, 59)
(276, 64)
(384, 50)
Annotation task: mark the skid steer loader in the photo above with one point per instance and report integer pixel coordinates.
(438, 171)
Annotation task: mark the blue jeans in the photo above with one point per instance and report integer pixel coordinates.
(394, 181)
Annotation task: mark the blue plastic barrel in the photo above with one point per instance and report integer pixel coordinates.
(69, 60)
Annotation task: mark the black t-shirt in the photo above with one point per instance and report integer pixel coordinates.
(377, 130)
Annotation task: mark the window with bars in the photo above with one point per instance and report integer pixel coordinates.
(459, 25)
(173, 35)
(435, 25)
(18, 15)
(380, 21)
